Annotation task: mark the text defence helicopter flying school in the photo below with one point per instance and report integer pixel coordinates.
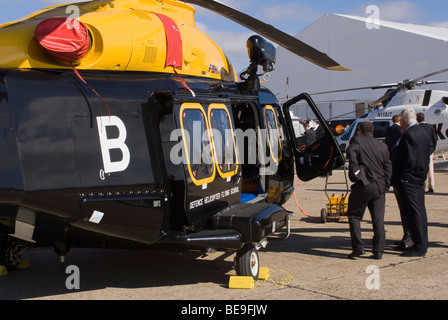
(127, 127)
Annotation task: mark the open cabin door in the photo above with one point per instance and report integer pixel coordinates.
(316, 151)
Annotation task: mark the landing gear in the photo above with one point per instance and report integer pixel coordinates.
(62, 245)
(10, 253)
(323, 215)
(247, 262)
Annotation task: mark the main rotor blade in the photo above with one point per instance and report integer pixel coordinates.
(385, 97)
(410, 84)
(431, 82)
(429, 75)
(384, 86)
(268, 31)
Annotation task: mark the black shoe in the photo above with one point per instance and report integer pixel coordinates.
(401, 247)
(431, 190)
(355, 253)
(413, 253)
(377, 256)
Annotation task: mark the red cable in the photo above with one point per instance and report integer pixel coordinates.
(91, 88)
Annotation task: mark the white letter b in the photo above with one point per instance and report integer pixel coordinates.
(115, 143)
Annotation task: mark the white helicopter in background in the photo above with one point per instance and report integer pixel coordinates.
(401, 96)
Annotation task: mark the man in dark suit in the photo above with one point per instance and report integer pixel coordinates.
(370, 169)
(409, 175)
(431, 130)
(310, 134)
(393, 133)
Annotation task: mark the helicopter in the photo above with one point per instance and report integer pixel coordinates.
(398, 97)
(127, 127)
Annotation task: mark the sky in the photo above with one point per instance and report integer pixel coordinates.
(291, 16)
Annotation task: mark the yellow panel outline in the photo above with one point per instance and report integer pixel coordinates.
(196, 106)
(220, 106)
(269, 107)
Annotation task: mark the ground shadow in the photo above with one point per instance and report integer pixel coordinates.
(102, 268)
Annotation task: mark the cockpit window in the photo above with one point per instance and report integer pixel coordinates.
(380, 128)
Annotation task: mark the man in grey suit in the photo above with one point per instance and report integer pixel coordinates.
(370, 169)
(409, 175)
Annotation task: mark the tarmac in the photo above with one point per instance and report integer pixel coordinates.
(311, 264)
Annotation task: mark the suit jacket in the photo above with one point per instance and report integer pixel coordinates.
(369, 162)
(393, 133)
(412, 162)
(429, 128)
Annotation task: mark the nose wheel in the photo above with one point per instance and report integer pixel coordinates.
(10, 253)
(247, 262)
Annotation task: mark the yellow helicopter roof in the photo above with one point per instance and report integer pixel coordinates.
(125, 35)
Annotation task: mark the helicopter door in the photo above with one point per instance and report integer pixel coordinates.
(209, 158)
(316, 151)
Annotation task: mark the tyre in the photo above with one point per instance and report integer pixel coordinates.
(323, 215)
(10, 253)
(247, 262)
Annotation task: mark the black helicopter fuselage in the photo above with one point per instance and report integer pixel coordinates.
(125, 126)
(104, 172)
